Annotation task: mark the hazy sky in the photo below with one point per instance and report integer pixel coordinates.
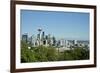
(69, 25)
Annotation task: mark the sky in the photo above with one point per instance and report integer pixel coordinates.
(69, 25)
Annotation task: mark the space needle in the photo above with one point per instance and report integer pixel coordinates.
(39, 30)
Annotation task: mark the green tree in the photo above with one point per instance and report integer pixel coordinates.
(40, 53)
(52, 54)
(27, 55)
(49, 53)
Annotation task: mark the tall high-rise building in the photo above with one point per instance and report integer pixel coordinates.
(49, 39)
(54, 41)
(43, 38)
(42, 35)
(34, 39)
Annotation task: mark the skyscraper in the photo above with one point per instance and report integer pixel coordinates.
(42, 36)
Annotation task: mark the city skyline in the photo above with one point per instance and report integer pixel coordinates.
(69, 25)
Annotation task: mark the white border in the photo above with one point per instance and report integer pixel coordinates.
(53, 64)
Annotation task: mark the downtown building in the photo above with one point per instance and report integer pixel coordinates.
(39, 39)
(47, 40)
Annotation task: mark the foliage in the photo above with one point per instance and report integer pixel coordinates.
(52, 54)
(44, 54)
(27, 55)
(76, 54)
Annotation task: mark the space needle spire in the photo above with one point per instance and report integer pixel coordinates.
(39, 30)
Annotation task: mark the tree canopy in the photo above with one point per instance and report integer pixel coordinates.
(44, 54)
